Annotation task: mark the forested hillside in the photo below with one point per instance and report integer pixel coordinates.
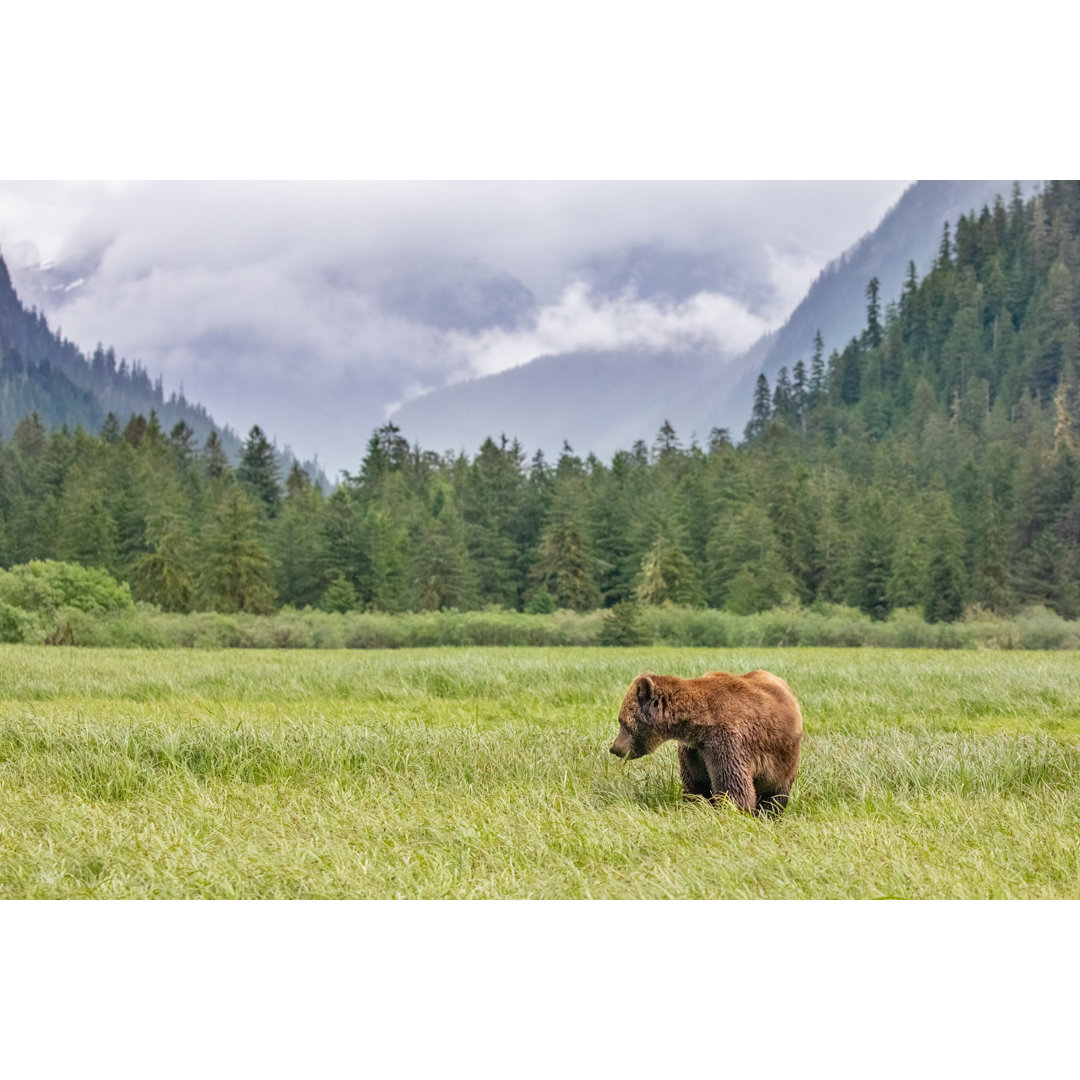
(601, 400)
(43, 374)
(929, 462)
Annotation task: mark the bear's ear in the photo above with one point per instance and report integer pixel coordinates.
(646, 691)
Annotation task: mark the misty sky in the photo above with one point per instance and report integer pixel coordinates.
(313, 309)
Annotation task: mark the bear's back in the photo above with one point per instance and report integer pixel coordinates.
(759, 699)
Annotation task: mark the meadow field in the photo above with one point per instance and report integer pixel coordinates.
(465, 773)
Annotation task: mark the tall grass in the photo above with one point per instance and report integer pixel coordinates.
(485, 773)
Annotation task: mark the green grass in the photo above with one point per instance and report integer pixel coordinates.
(485, 773)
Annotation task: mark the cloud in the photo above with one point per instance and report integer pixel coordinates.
(579, 322)
(312, 308)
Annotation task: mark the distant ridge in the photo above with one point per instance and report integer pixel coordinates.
(603, 401)
(835, 304)
(43, 373)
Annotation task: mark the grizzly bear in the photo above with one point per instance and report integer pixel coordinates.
(738, 735)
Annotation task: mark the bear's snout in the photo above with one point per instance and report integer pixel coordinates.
(617, 750)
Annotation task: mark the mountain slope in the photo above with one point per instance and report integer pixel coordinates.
(835, 304)
(600, 401)
(44, 373)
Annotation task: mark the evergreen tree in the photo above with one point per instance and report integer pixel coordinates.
(943, 600)
(215, 461)
(565, 567)
(667, 442)
(258, 471)
(990, 584)
(667, 576)
(441, 571)
(800, 394)
(783, 402)
(236, 573)
(762, 411)
(872, 570)
(745, 570)
(339, 596)
(165, 575)
(817, 370)
(873, 314)
(298, 542)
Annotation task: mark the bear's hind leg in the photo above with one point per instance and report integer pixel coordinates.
(695, 777)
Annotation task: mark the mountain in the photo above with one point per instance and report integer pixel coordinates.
(545, 402)
(43, 373)
(601, 401)
(836, 303)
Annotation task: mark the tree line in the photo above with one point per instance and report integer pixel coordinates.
(930, 462)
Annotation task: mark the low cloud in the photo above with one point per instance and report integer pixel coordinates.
(579, 322)
(312, 309)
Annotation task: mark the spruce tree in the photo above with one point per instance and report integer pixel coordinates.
(872, 570)
(298, 542)
(166, 575)
(800, 394)
(817, 370)
(762, 411)
(565, 565)
(873, 313)
(258, 471)
(339, 596)
(943, 600)
(236, 572)
(667, 576)
(990, 584)
(214, 459)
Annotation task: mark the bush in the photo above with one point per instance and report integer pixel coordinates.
(1043, 629)
(18, 626)
(45, 587)
(622, 626)
(144, 625)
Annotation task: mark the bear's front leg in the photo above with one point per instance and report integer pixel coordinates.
(695, 776)
(730, 775)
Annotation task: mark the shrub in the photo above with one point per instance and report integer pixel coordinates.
(45, 587)
(622, 626)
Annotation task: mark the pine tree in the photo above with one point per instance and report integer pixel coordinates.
(800, 394)
(944, 598)
(110, 430)
(783, 402)
(872, 570)
(258, 471)
(762, 411)
(744, 566)
(87, 533)
(214, 459)
(236, 570)
(565, 566)
(873, 313)
(990, 584)
(339, 596)
(299, 542)
(165, 575)
(667, 443)
(442, 574)
(817, 370)
(667, 576)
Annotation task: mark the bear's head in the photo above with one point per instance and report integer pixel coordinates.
(641, 708)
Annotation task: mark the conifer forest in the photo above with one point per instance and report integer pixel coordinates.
(930, 462)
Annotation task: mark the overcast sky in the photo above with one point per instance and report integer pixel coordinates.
(314, 308)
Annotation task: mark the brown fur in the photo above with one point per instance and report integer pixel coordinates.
(738, 735)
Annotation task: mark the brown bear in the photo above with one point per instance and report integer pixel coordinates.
(738, 735)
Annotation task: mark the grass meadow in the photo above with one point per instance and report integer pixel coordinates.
(471, 773)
